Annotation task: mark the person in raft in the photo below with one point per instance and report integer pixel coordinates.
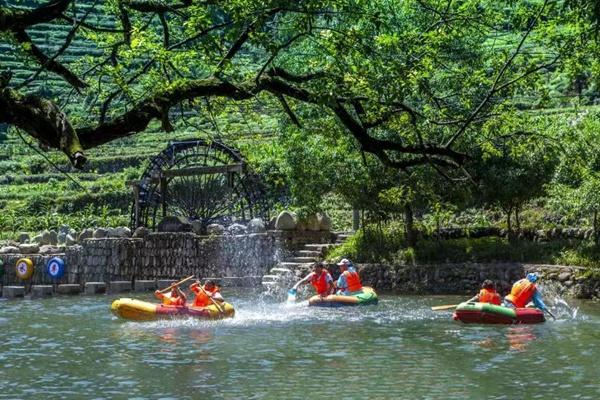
(175, 298)
(487, 294)
(211, 291)
(349, 282)
(524, 291)
(320, 278)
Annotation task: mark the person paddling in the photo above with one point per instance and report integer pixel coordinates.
(524, 291)
(487, 294)
(211, 290)
(319, 278)
(349, 282)
(175, 298)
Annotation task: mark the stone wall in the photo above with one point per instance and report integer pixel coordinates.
(466, 278)
(167, 256)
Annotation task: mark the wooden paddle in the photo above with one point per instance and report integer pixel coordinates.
(213, 300)
(176, 284)
(442, 308)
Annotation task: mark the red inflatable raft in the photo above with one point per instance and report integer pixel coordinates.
(486, 313)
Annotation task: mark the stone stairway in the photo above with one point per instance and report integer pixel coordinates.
(293, 268)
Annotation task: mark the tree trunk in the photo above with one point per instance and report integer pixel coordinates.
(411, 235)
(517, 219)
(511, 235)
(596, 236)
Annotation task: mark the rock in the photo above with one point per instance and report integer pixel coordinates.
(87, 233)
(141, 232)
(324, 222)
(311, 223)
(48, 249)
(9, 250)
(286, 221)
(31, 248)
(100, 233)
(215, 229)
(61, 238)
(23, 238)
(73, 232)
(236, 229)
(111, 232)
(256, 225)
(45, 237)
(70, 240)
(64, 229)
(564, 276)
(53, 238)
(271, 224)
(174, 224)
(123, 232)
(37, 239)
(197, 227)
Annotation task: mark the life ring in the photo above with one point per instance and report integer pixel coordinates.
(24, 268)
(55, 267)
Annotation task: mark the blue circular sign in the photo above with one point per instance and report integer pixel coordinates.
(55, 267)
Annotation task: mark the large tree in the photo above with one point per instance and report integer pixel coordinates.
(409, 80)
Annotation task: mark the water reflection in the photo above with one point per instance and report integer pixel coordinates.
(519, 337)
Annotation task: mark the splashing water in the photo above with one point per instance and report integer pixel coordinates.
(562, 310)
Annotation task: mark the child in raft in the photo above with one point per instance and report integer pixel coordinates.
(487, 294)
(203, 297)
(175, 298)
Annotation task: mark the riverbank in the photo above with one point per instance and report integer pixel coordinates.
(466, 278)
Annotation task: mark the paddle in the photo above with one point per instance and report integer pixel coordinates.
(445, 307)
(213, 300)
(176, 284)
(550, 314)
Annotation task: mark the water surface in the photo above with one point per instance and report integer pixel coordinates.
(72, 347)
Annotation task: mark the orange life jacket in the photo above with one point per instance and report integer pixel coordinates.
(320, 283)
(203, 299)
(521, 293)
(167, 300)
(353, 281)
(489, 296)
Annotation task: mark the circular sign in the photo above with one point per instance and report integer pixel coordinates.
(55, 267)
(24, 268)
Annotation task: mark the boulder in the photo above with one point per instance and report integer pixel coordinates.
(45, 237)
(256, 225)
(23, 237)
(236, 229)
(174, 224)
(53, 237)
(37, 239)
(564, 276)
(70, 240)
(271, 224)
(141, 232)
(111, 232)
(48, 249)
(61, 238)
(123, 232)
(9, 250)
(215, 229)
(286, 221)
(29, 248)
(311, 222)
(100, 233)
(87, 233)
(324, 222)
(64, 229)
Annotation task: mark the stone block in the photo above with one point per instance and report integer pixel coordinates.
(174, 224)
(94, 287)
(40, 291)
(12, 292)
(286, 221)
(29, 248)
(144, 286)
(70, 288)
(100, 233)
(119, 287)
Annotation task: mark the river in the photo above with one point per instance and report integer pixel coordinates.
(67, 347)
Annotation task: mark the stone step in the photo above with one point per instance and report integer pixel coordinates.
(281, 271)
(290, 265)
(119, 287)
(270, 278)
(94, 287)
(317, 246)
(40, 291)
(12, 292)
(308, 253)
(270, 283)
(301, 260)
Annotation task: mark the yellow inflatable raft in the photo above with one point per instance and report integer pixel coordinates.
(366, 296)
(137, 310)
